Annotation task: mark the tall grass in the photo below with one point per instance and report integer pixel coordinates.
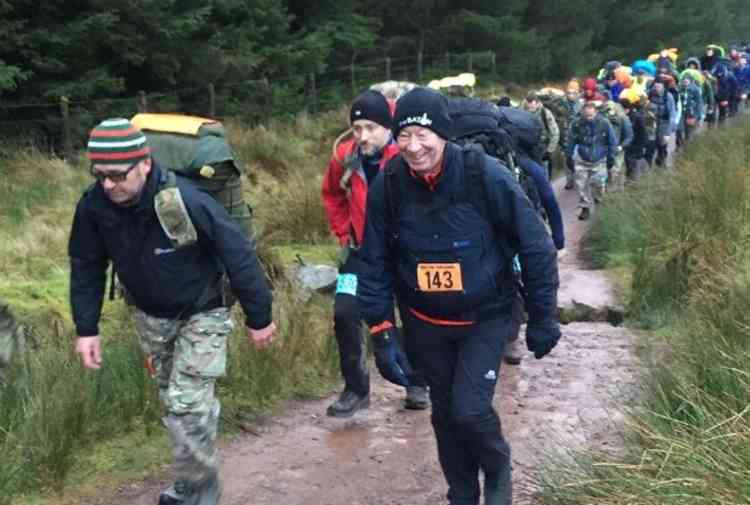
(53, 413)
(686, 237)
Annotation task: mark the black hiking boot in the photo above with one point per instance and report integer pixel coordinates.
(585, 214)
(570, 185)
(417, 398)
(176, 494)
(165, 499)
(347, 404)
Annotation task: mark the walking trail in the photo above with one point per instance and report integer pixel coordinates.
(386, 455)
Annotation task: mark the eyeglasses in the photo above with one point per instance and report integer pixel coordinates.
(114, 177)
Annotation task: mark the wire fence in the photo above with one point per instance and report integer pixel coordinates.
(63, 126)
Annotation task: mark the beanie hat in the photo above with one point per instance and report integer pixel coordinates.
(590, 84)
(373, 106)
(115, 142)
(423, 107)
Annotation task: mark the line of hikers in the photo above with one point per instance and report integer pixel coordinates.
(617, 125)
(444, 203)
(445, 215)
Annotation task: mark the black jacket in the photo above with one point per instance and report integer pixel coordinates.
(164, 282)
(440, 226)
(637, 148)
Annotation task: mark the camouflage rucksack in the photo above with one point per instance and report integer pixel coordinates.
(556, 102)
(615, 114)
(650, 121)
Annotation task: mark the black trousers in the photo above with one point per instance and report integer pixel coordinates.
(461, 366)
(659, 150)
(352, 344)
(347, 324)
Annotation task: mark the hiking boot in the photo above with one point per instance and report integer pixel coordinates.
(348, 403)
(570, 185)
(585, 214)
(417, 398)
(176, 494)
(513, 352)
(165, 499)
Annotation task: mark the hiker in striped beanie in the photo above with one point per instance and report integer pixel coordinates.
(173, 246)
(120, 159)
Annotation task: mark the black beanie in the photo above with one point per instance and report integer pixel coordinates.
(373, 106)
(423, 107)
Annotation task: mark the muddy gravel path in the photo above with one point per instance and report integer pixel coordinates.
(386, 455)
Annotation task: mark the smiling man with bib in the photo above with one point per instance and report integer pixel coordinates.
(443, 226)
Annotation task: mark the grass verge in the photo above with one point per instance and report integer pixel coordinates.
(685, 237)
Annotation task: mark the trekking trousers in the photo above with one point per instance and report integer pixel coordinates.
(347, 325)
(617, 179)
(185, 358)
(636, 166)
(461, 366)
(591, 182)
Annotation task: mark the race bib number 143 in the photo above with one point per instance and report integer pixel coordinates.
(439, 277)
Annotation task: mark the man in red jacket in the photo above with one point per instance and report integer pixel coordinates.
(354, 165)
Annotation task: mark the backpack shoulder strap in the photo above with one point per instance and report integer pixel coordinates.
(393, 191)
(545, 121)
(172, 213)
(475, 183)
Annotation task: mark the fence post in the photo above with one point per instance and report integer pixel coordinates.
(67, 135)
(388, 68)
(354, 80)
(141, 101)
(211, 100)
(313, 93)
(471, 62)
(420, 57)
(267, 98)
(493, 60)
(448, 62)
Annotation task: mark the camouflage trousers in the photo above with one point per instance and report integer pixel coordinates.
(591, 182)
(617, 174)
(185, 358)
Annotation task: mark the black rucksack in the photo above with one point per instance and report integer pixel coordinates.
(477, 124)
(525, 128)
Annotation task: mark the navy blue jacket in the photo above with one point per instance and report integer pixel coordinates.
(593, 140)
(164, 282)
(441, 226)
(548, 199)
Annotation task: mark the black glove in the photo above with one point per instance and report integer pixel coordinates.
(542, 338)
(390, 359)
(610, 163)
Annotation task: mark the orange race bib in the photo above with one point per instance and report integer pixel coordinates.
(439, 277)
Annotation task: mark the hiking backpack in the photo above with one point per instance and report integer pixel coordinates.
(555, 101)
(477, 125)
(196, 148)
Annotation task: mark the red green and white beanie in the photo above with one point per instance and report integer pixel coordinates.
(117, 142)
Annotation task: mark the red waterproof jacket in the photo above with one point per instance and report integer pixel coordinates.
(345, 203)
